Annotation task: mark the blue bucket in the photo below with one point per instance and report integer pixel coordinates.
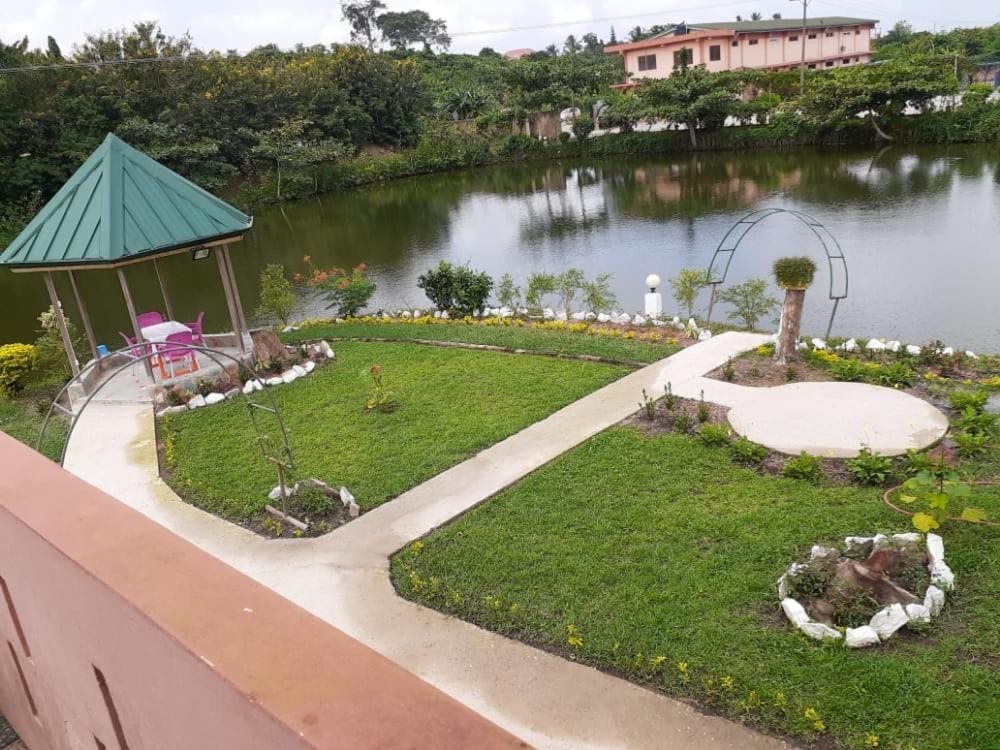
(102, 350)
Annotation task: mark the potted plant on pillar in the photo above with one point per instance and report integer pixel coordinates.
(794, 275)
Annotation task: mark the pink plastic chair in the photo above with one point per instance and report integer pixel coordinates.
(169, 353)
(148, 319)
(136, 351)
(196, 329)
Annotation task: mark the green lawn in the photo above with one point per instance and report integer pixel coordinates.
(453, 404)
(659, 551)
(514, 337)
(22, 418)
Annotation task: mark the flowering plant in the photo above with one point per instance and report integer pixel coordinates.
(347, 291)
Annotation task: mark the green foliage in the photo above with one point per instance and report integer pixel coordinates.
(509, 293)
(702, 410)
(809, 581)
(380, 399)
(934, 488)
(804, 467)
(277, 299)
(456, 288)
(686, 285)
(746, 451)
(597, 294)
(648, 406)
(683, 422)
(870, 468)
(794, 273)
(975, 422)
(971, 445)
(974, 399)
(693, 96)
(346, 291)
(750, 302)
(16, 362)
(791, 374)
(582, 127)
(728, 371)
(714, 434)
(51, 363)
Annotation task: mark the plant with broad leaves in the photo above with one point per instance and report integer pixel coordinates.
(935, 487)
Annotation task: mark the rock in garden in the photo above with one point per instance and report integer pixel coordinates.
(174, 409)
(875, 345)
(894, 346)
(818, 344)
(918, 613)
(639, 320)
(624, 319)
(548, 313)
(505, 312)
(406, 314)
(935, 548)
(561, 315)
(197, 402)
(289, 375)
(437, 313)
(275, 494)
(887, 621)
(879, 541)
(300, 370)
(851, 345)
(860, 637)
(913, 350)
(819, 631)
(248, 388)
(971, 355)
(794, 611)
(934, 600)
(214, 398)
(603, 318)
(704, 335)
(819, 551)
(909, 540)
(274, 381)
(941, 575)
(861, 545)
(947, 351)
(232, 393)
(445, 315)
(309, 365)
(346, 497)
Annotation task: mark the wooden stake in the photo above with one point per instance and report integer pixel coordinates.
(74, 365)
(84, 316)
(135, 322)
(163, 291)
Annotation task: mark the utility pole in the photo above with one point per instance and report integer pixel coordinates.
(802, 62)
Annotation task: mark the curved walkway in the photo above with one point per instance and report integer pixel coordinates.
(343, 577)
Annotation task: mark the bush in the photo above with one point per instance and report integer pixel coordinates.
(508, 293)
(456, 288)
(746, 451)
(870, 468)
(16, 362)
(714, 434)
(750, 302)
(582, 127)
(347, 292)
(51, 363)
(969, 399)
(977, 423)
(686, 285)
(794, 273)
(971, 445)
(277, 300)
(805, 467)
(896, 375)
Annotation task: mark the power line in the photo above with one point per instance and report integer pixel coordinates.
(101, 63)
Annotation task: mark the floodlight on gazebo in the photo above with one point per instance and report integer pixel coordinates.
(120, 208)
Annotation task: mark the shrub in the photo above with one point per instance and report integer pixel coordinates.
(683, 422)
(347, 292)
(794, 273)
(747, 451)
(977, 423)
(870, 468)
(381, 399)
(456, 288)
(582, 127)
(702, 411)
(791, 374)
(714, 434)
(969, 399)
(648, 406)
(805, 467)
(508, 293)
(971, 445)
(850, 370)
(728, 371)
(539, 285)
(16, 362)
(896, 375)
(51, 362)
(277, 300)
(750, 302)
(597, 294)
(686, 285)
(915, 462)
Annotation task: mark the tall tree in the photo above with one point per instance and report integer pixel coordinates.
(756, 16)
(571, 46)
(592, 44)
(362, 18)
(693, 96)
(612, 39)
(411, 27)
(53, 51)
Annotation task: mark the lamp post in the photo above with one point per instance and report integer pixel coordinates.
(802, 62)
(654, 300)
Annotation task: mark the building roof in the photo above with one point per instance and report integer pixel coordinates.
(121, 205)
(773, 24)
(517, 54)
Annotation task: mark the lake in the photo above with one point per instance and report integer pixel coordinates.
(920, 228)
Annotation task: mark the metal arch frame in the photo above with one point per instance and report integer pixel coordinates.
(736, 234)
(285, 462)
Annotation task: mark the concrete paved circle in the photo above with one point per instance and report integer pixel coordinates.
(837, 419)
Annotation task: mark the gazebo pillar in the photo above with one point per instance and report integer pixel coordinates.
(135, 322)
(84, 316)
(236, 289)
(74, 365)
(234, 316)
(163, 290)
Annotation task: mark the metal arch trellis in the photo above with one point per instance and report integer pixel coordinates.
(283, 461)
(836, 261)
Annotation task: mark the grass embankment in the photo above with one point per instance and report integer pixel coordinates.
(656, 557)
(21, 418)
(453, 403)
(546, 338)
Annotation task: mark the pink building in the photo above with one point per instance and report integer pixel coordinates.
(775, 44)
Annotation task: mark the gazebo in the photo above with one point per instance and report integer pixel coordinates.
(120, 208)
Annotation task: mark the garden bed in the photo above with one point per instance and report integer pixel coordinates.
(669, 579)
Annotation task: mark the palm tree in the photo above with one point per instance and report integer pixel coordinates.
(794, 275)
(755, 16)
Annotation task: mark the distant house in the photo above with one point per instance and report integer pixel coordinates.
(775, 44)
(517, 54)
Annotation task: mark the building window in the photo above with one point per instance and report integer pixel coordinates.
(683, 56)
(847, 33)
(793, 38)
(856, 59)
(774, 39)
(735, 43)
(812, 66)
(753, 42)
(829, 63)
(846, 61)
(647, 62)
(829, 34)
(812, 36)
(857, 31)
(715, 53)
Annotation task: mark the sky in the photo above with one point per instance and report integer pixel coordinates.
(474, 24)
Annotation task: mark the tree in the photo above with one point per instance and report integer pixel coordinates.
(686, 285)
(794, 275)
(362, 18)
(592, 44)
(693, 96)
(901, 32)
(750, 302)
(878, 93)
(612, 39)
(637, 34)
(53, 52)
(489, 52)
(755, 16)
(571, 46)
(401, 30)
(277, 300)
(292, 151)
(776, 16)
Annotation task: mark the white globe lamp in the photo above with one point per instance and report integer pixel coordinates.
(654, 300)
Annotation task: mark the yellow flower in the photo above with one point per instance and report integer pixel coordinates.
(779, 699)
(871, 740)
(575, 641)
(727, 682)
(417, 546)
(655, 661)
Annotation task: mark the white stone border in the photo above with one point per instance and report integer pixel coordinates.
(887, 620)
(290, 375)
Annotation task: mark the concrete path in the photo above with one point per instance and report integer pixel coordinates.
(343, 577)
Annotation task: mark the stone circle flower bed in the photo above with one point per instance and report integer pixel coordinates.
(868, 588)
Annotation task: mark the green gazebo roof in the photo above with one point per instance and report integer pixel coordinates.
(118, 207)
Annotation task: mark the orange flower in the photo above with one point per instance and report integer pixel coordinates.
(344, 283)
(307, 259)
(298, 277)
(361, 267)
